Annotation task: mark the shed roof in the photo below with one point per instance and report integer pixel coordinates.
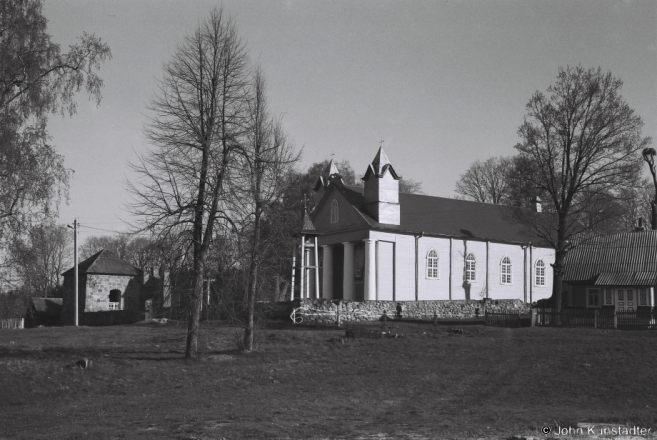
(105, 262)
(624, 259)
(450, 217)
(46, 306)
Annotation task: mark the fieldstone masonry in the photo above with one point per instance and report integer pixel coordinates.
(98, 289)
(327, 311)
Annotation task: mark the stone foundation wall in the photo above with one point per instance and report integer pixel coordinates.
(327, 311)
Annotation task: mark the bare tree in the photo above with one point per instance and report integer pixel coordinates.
(268, 158)
(199, 115)
(649, 157)
(486, 181)
(116, 243)
(579, 142)
(42, 256)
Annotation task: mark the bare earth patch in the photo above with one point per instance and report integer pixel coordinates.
(313, 382)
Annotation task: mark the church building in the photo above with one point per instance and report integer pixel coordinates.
(375, 243)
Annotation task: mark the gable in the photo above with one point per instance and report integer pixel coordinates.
(348, 216)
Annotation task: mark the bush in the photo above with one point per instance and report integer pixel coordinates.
(14, 304)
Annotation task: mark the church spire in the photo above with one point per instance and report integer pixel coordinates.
(381, 195)
(380, 160)
(329, 175)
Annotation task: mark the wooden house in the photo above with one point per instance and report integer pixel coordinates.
(617, 271)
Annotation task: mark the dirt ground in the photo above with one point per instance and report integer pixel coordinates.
(308, 382)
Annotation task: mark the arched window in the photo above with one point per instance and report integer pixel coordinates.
(115, 299)
(470, 268)
(539, 270)
(335, 212)
(432, 265)
(506, 271)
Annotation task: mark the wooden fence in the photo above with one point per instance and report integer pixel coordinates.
(637, 320)
(502, 319)
(12, 323)
(595, 318)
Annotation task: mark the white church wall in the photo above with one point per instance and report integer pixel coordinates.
(433, 289)
(404, 267)
(474, 289)
(516, 255)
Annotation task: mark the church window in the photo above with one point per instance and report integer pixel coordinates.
(115, 299)
(432, 265)
(335, 212)
(470, 268)
(506, 270)
(540, 273)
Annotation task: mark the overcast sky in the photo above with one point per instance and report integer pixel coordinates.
(442, 83)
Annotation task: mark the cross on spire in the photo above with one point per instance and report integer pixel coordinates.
(381, 143)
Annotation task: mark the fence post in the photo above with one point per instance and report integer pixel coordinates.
(615, 319)
(338, 313)
(534, 315)
(595, 318)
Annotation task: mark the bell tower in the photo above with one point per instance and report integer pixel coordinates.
(381, 195)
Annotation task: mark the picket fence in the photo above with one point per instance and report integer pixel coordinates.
(641, 319)
(12, 323)
(502, 319)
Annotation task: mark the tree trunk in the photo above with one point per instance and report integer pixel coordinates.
(254, 270)
(557, 287)
(653, 209)
(195, 309)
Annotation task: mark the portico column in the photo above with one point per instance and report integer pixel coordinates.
(327, 281)
(370, 269)
(348, 286)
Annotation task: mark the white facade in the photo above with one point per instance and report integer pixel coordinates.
(369, 255)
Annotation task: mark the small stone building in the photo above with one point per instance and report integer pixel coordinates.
(109, 291)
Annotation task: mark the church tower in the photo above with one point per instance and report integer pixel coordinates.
(381, 195)
(331, 175)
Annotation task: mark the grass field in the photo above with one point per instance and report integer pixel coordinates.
(487, 383)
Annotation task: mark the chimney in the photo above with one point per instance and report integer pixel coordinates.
(639, 226)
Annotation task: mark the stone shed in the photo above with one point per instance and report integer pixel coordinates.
(109, 291)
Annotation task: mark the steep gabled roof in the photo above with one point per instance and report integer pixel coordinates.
(624, 259)
(105, 262)
(449, 217)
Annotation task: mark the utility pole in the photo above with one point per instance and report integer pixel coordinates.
(75, 265)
